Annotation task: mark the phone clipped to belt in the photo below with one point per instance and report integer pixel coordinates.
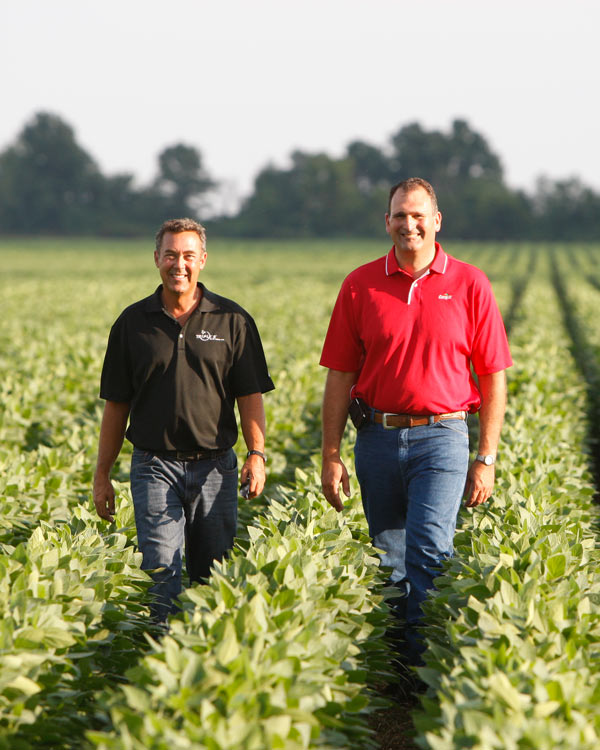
(359, 413)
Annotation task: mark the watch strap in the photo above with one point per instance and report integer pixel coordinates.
(257, 453)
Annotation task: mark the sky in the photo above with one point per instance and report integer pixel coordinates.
(246, 82)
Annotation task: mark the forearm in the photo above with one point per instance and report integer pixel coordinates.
(252, 418)
(336, 400)
(481, 477)
(335, 410)
(112, 433)
(253, 422)
(491, 413)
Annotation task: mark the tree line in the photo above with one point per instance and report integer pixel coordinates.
(50, 185)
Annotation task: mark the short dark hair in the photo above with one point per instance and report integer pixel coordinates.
(413, 183)
(175, 226)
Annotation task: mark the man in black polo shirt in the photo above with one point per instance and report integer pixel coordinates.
(175, 365)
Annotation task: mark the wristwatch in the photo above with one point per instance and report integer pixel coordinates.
(257, 453)
(488, 460)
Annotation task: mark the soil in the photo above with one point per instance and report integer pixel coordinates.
(393, 727)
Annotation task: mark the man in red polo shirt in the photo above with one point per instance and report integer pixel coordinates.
(404, 334)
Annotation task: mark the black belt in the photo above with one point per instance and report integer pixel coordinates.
(190, 455)
(391, 421)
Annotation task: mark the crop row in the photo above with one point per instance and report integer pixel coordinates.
(72, 589)
(72, 613)
(277, 649)
(273, 652)
(514, 627)
(237, 710)
(580, 298)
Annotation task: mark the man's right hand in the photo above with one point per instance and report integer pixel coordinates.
(104, 498)
(333, 474)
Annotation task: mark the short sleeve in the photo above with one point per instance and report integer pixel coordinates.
(490, 352)
(249, 372)
(343, 349)
(116, 380)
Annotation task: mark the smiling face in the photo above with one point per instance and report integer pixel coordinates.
(412, 223)
(180, 259)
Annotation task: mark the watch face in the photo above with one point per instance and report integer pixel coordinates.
(489, 460)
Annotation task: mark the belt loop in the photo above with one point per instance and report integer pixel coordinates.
(431, 419)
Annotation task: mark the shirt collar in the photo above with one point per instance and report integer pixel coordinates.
(439, 264)
(208, 301)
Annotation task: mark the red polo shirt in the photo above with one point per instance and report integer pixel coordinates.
(413, 342)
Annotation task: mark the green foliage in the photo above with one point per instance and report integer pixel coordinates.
(49, 420)
(514, 627)
(272, 652)
(280, 647)
(49, 184)
(72, 612)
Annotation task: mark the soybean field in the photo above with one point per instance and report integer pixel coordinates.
(284, 647)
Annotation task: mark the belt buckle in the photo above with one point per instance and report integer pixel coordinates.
(384, 423)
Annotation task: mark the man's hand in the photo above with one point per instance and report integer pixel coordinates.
(333, 474)
(480, 477)
(253, 472)
(104, 497)
(334, 415)
(480, 483)
(112, 431)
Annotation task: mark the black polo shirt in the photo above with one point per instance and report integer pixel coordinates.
(182, 382)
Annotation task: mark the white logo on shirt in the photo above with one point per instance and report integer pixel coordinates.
(445, 296)
(208, 336)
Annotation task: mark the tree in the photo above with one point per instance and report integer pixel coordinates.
(486, 210)
(372, 168)
(467, 177)
(417, 153)
(316, 196)
(48, 183)
(182, 180)
(566, 210)
(443, 160)
(471, 157)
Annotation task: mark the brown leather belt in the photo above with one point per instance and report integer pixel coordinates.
(393, 421)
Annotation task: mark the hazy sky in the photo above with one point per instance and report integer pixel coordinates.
(248, 81)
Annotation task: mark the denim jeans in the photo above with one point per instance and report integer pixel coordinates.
(177, 504)
(412, 481)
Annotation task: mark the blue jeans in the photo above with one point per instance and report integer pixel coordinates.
(177, 504)
(412, 481)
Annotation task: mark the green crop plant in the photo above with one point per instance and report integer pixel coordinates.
(514, 626)
(282, 648)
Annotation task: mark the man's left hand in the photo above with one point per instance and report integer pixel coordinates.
(480, 483)
(253, 471)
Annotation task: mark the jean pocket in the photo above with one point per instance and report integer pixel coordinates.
(228, 462)
(142, 457)
(456, 425)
